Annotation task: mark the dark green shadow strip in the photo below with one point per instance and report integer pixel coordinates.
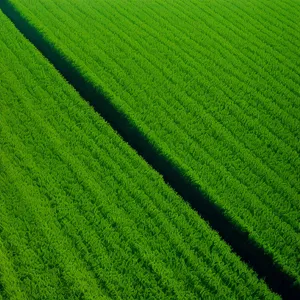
(261, 262)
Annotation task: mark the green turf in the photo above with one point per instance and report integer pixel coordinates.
(214, 85)
(82, 216)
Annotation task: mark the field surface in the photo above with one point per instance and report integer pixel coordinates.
(82, 216)
(213, 85)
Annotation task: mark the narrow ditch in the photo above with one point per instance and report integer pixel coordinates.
(250, 253)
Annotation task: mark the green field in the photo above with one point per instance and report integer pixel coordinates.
(213, 85)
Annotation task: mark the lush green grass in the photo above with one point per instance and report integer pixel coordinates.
(213, 84)
(82, 216)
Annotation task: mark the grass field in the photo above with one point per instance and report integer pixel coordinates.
(214, 86)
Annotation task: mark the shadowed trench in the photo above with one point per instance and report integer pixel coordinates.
(250, 253)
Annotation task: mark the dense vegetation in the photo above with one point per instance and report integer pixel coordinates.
(82, 216)
(214, 85)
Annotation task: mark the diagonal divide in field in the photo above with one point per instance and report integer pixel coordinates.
(261, 262)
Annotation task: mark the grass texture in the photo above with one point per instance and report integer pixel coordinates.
(214, 85)
(82, 216)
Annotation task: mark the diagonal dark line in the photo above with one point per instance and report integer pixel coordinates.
(261, 262)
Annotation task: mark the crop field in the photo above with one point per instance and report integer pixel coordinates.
(149, 149)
